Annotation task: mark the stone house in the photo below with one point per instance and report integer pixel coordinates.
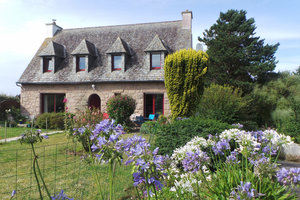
(90, 65)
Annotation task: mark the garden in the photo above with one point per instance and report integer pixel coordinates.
(224, 139)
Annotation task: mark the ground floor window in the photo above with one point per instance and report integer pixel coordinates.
(153, 104)
(53, 103)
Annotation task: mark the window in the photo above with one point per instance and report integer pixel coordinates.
(153, 104)
(155, 61)
(80, 63)
(53, 103)
(116, 62)
(48, 64)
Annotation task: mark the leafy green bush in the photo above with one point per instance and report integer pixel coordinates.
(291, 128)
(120, 107)
(179, 132)
(222, 103)
(54, 120)
(149, 127)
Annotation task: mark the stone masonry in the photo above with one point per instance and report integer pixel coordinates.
(78, 95)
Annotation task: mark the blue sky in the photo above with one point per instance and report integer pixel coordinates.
(22, 24)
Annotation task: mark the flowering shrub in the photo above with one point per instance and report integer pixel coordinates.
(234, 165)
(120, 108)
(179, 132)
(81, 125)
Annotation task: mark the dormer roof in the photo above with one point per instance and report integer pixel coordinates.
(85, 48)
(53, 49)
(119, 46)
(156, 45)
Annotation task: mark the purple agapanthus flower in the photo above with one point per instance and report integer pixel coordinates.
(46, 136)
(244, 191)
(13, 193)
(81, 130)
(194, 161)
(232, 158)
(61, 196)
(291, 176)
(220, 146)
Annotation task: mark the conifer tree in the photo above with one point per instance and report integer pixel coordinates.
(237, 56)
(184, 72)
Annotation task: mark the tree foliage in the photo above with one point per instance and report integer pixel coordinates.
(238, 57)
(279, 100)
(184, 72)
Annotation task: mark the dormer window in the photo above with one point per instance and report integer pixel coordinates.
(155, 61)
(84, 56)
(80, 63)
(51, 57)
(116, 62)
(156, 52)
(117, 55)
(48, 64)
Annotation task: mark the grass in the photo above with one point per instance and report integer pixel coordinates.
(15, 131)
(60, 163)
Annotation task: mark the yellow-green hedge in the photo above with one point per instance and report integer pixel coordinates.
(184, 72)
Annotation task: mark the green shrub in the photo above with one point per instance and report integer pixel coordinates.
(222, 103)
(120, 107)
(291, 128)
(179, 132)
(149, 127)
(54, 120)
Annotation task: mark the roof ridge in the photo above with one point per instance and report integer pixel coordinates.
(119, 25)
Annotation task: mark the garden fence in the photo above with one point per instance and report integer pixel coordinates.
(60, 165)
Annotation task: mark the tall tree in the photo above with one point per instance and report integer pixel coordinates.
(238, 57)
(184, 72)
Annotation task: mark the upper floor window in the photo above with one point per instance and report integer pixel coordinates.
(48, 64)
(116, 62)
(80, 63)
(155, 61)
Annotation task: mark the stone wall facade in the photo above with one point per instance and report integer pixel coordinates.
(78, 95)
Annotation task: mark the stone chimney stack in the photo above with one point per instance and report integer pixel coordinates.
(187, 17)
(52, 28)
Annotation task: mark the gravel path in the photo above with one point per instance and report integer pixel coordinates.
(17, 138)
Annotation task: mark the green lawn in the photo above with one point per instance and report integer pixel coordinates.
(15, 131)
(59, 159)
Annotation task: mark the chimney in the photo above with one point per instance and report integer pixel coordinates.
(52, 28)
(187, 17)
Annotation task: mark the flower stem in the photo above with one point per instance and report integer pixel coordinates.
(37, 164)
(111, 179)
(95, 172)
(36, 178)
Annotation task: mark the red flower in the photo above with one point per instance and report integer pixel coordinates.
(65, 100)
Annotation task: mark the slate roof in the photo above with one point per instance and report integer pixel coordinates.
(119, 46)
(85, 48)
(53, 49)
(134, 38)
(156, 45)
